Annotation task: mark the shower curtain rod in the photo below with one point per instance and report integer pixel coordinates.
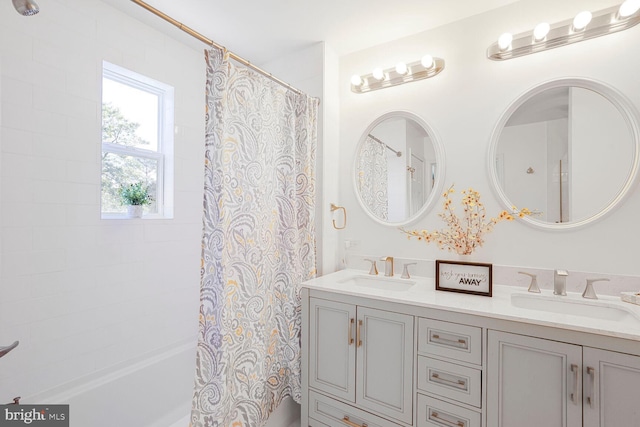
(210, 42)
(398, 153)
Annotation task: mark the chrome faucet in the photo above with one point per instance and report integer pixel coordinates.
(589, 292)
(560, 282)
(388, 266)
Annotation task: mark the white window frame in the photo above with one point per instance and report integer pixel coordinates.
(164, 154)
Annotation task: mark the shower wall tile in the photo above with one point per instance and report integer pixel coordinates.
(80, 293)
(17, 92)
(16, 141)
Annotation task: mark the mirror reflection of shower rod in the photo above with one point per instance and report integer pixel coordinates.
(398, 153)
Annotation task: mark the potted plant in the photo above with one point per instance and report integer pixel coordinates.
(135, 196)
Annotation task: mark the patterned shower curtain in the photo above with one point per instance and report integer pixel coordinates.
(372, 177)
(258, 244)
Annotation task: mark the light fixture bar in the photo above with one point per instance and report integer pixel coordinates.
(391, 77)
(606, 21)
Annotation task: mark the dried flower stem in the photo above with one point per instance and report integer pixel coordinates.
(464, 236)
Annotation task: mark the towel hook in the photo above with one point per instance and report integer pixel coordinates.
(344, 211)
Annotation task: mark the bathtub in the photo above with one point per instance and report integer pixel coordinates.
(154, 391)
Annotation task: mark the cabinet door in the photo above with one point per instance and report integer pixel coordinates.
(611, 389)
(533, 382)
(385, 363)
(332, 348)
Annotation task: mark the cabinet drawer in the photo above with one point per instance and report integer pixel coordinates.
(450, 380)
(316, 423)
(450, 340)
(337, 414)
(436, 413)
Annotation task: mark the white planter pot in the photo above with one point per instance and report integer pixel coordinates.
(134, 211)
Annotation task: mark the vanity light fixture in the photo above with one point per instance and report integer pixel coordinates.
(581, 20)
(584, 26)
(401, 68)
(428, 66)
(540, 31)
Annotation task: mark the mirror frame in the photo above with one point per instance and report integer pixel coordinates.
(440, 172)
(622, 104)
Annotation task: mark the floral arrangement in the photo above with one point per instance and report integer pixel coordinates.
(464, 235)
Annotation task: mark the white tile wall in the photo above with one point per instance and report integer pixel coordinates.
(80, 293)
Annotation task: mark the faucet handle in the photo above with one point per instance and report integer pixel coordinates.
(533, 286)
(405, 270)
(589, 292)
(374, 269)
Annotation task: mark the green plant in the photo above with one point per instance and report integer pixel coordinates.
(135, 194)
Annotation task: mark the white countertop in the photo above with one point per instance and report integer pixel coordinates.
(499, 306)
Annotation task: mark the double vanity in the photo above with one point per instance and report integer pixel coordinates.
(390, 352)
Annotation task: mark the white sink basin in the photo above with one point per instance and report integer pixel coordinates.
(576, 306)
(376, 282)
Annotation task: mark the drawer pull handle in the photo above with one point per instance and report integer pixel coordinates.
(350, 338)
(358, 333)
(435, 416)
(457, 383)
(457, 343)
(351, 423)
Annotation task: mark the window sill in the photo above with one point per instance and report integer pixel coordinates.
(125, 217)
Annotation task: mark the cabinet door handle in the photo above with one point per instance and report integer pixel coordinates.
(574, 393)
(453, 343)
(351, 423)
(350, 338)
(358, 333)
(592, 374)
(435, 416)
(456, 383)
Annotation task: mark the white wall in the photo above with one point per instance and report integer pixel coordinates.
(84, 295)
(463, 104)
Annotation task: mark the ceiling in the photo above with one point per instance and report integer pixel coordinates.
(260, 30)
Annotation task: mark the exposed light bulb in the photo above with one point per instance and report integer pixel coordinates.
(401, 68)
(582, 20)
(628, 8)
(427, 61)
(504, 41)
(356, 80)
(378, 74)
(541, 31)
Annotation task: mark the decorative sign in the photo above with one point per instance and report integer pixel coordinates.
(464, 277)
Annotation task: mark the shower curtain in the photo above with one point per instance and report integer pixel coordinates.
(258, 244)
(372, 177)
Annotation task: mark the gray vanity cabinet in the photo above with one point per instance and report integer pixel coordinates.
(535, 382)
(332, 350)
(611, 389)
(363, 356)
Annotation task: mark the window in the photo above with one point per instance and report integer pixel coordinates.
(137, 141)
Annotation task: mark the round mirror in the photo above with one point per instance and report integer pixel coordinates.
(567, 149)
(398, 168)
